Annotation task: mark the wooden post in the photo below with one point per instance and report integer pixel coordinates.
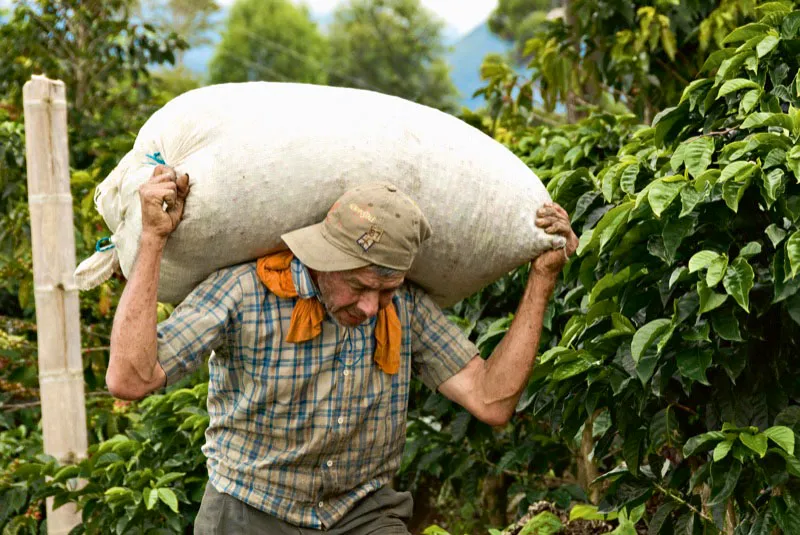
(57, 311)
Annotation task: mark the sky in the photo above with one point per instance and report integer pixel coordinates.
(460, 15)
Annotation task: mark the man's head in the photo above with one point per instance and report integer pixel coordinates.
(362, 250)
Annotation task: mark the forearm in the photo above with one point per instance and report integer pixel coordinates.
(133, 369)
(505, 373)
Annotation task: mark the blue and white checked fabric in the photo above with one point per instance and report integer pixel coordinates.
(302, 431)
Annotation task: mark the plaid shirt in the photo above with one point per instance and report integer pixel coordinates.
(302, 431)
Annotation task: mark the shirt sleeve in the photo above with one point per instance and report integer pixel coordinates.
(440, 349)
(198, 325)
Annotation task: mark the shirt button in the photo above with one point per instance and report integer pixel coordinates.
(329, 463)
(321, 504)
(346, 373)
(340, 420)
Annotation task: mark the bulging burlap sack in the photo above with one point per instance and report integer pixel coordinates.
(267, 158)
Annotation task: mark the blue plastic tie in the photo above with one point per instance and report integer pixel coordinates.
(156, 158)
(103, 244)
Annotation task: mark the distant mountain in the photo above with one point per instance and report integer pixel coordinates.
(466, 57)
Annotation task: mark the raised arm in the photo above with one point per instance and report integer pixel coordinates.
(490, 389)
(133, 370)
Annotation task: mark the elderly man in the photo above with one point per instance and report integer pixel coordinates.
(308, 390)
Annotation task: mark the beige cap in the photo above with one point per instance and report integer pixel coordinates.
(372, 224)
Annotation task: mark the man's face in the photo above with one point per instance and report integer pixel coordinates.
(353, 297)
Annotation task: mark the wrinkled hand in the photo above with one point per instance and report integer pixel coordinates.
(164, 188)
(554, 220)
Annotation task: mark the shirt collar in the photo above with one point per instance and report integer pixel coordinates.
(303, 283)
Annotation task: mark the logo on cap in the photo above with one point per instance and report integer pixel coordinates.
(370, 238)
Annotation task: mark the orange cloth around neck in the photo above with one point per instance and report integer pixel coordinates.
(275, 272)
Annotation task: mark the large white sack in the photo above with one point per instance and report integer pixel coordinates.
(267, 158)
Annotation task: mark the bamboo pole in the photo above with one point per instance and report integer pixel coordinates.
(57, 311)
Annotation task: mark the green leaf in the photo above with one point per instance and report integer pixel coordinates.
(701, 260)
(611, 223)
(674, 233)
(738, 170)
(782, 436)
(726, 325)
(697, 155)
(611, 281)
(169, 498)
(690, 198)
(757, 443)
(739, 281)
(554, 353)
(435, 530)
(627, 181)
(790, 26)
(775, 234)
(767, 45)
(716, 270)
(676, 160)
(584, 511)
(150, 497)
(749, 100)
(661, 517)
(723, 487)
(702, 442)
(746, 32)
(632, 450)
(793, 252)
(733, 191)
(570, 369)
(761, 119)
(693, 363)
(751, 249)
(722, 449)
(662, 193)
(774, 184)
(545, 523)
(709, 299)
(647, 335)
(736, 84)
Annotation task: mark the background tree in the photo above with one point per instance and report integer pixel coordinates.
(518, 20)
(272, 40)
(391, 46)
(639, 53)
(192, 20)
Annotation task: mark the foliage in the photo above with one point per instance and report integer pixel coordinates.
(271, 40)
(519, 20)
(190, 19)
(153, 476)
(674, 330)
(638, 54)
(391, 46)
(103, 59)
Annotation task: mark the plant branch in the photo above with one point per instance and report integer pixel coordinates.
(680, 500)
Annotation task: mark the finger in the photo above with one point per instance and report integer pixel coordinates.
(182, 183)
(559, 227)
(545, 222)
(546, 211)
(163, 178)
(170, 199)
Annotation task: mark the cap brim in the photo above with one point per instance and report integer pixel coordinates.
(316, 252)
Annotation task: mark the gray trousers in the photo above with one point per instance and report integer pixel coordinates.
(384, 512)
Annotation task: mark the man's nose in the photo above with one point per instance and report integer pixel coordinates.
(368, 304)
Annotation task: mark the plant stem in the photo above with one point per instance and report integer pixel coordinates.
(681, 501)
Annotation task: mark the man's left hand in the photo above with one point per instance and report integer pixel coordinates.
(554, 220)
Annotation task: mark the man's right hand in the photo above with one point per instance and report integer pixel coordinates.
(164, 187)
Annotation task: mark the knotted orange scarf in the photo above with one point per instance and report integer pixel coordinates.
(275, 272)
